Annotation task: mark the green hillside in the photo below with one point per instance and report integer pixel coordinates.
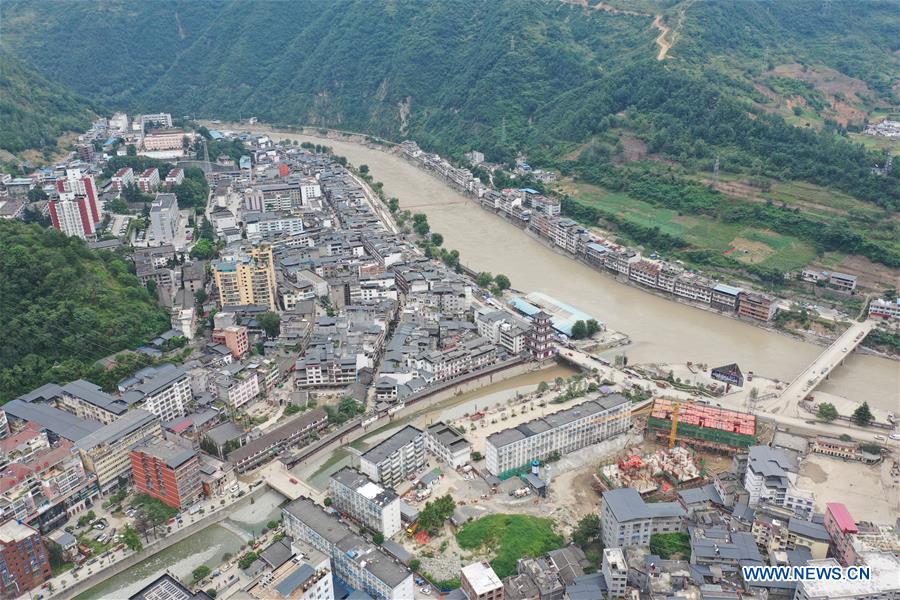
(64, 306)
(35, 111)
(773, 91)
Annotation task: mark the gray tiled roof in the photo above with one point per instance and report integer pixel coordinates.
(392, 444)
(121, 427)
(626, 504)
(62, 423)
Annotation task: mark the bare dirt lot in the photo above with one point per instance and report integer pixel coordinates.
(867, 491)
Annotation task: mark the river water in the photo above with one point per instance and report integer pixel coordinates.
(662, 331)
(206, 547)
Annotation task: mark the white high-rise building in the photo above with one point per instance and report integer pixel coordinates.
(365, 501)
(164, 217)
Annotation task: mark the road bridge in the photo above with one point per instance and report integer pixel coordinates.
(819, 370)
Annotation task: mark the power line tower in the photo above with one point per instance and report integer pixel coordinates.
(716, 170)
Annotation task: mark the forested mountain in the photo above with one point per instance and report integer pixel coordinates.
(63, 306)
(774, 91)
(34, 111)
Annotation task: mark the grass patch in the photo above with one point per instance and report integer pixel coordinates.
(772, 249)
(510, 537)
(671, 545)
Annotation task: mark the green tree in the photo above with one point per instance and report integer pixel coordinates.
(414, 565)
(364, 169)
(587, 530)
(151, 287)
(502, 282)
(131, 150)
(592, 327)
(200, 297)
(862, 415)
(247, 559)
(476, 456)
(827, 412)
(484, 279)
(543, 387)
(204, 249)
(131, 540)
(37, 194)
(291, 409)
(393, 205)
(437, 239)
(378, 537)
(200, 572)
(271, 324)
(432, 517)
(212, 593)
(579, 330)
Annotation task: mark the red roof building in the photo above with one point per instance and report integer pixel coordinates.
(840, 527)
(168, 471)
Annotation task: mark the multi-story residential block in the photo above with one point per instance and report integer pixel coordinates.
(264, 225)
(41, 484)
(247, 277)
(357, 564)
(123, 177)
(559, 433)
(156, 120)
(478, 581)
(72, 216)
(105, 452)
(694, 288)
(310, 188)
(166, 139)
(164, 218)
(164, 391)
(726, 297)
(268, 446)
(175, 177)
(842, 282)
(166, 587)
(503, 330)
(771, 475)
(148, 181)
(721, 547)
(620, 261)
(86, 400)
(24, 562)
(626, 520)
(167, 471)
(775, 533)
(75, 183)
(364, 501)
(841, 528)
(396, 458)
(235, 385)
(234, 338)
(757, 306)
(667, 276)
(448, 445)
(615, 571)
(884, 308)
(882, 582)
(645, 273)
(295, 580)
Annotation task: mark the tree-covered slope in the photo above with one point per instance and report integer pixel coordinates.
(34, 111)
(62, 307)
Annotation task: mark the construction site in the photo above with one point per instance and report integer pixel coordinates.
(701, 426)
(662, 470)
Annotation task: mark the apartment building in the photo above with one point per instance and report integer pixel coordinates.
(841, 528)
(167, 471)
(166, 139)
(447, 445)
(503, 330)
(626, 520)
(667, 276)
(562, 432)
(357, 564)
(105, 452)
(645, 273)
(148, 181)
(87, 401)
(71, 216)
(268, 446)
(165, 391)
(842, 282)
(157, 119)
(123, 177)
(615, 571)
(771, 475)
(234, 338)
(366, 502)
(478, 581)
(694, 288)
(620, 261)
(235, 385)
(164, 218)
(396, 458)
(24, 562)
(726, 297)
(774, 533)
(884, 308)
(757, 306)
(175, 177)
(247, 277)
(263, 225)
(882, 584)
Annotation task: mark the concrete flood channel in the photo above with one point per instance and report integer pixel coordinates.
(661, 330)
(206, 547)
